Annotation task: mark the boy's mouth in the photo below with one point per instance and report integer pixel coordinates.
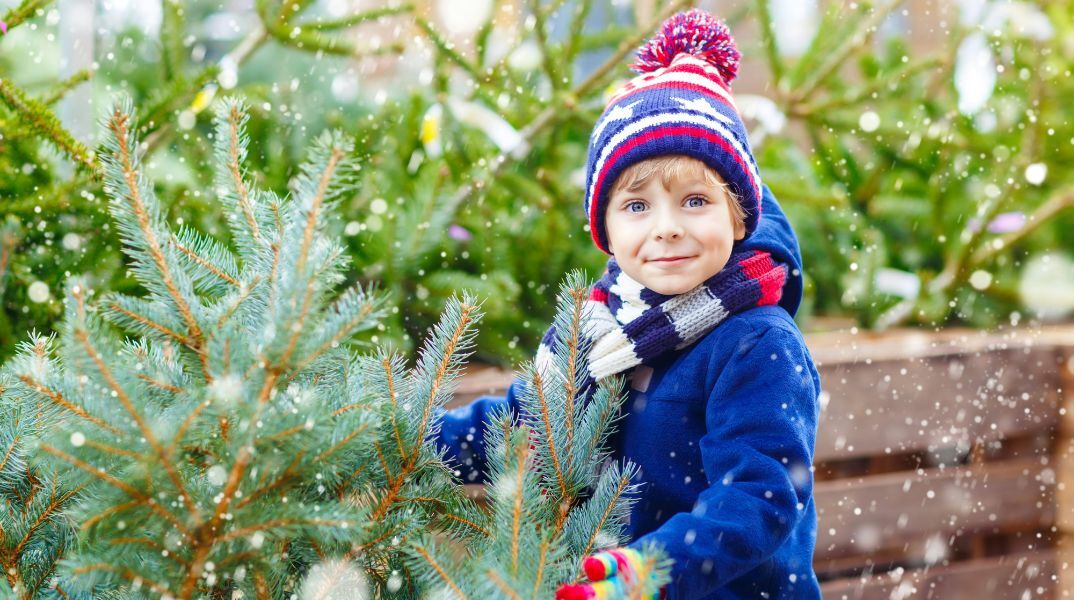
(670, 260)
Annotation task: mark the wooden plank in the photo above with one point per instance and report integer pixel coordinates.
(935, 402)
(479, 380)
(911, 391)
(863, 515)
(1064, 461)
(841, 347)
(1014, 577)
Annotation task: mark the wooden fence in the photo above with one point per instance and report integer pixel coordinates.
(944, 463)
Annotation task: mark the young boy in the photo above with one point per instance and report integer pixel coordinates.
(699, 296)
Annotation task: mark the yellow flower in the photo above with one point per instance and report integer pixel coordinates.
(204, 98)
(430, 130)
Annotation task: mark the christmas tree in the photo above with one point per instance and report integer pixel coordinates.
(234, 442)
(554, 498)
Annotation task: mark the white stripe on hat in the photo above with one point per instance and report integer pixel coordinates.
(617, 113)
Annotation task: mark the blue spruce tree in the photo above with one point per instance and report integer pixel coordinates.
(221, 437)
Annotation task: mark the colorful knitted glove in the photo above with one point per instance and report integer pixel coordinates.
(613, 574)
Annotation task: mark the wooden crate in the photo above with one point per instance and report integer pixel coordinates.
(944, 463)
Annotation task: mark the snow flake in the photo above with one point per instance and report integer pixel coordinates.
(975, 73)
(216, 475)
(869, 121)
(463, 18)
(335, 579)
(1036, 173)
(38, 292)
(980, 279)
(1047, 285)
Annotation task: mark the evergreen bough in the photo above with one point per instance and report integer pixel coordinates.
(233, 444)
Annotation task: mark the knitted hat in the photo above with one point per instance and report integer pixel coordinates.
(680, 104)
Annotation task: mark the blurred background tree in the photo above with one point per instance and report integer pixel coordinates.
(917, 146)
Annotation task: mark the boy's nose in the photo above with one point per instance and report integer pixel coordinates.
(667, 226)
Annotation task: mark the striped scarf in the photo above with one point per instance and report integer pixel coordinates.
(627, 324)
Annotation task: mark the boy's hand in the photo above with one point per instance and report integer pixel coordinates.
(614, 574)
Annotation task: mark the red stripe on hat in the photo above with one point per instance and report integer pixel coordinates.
(682, 63)
(761, 269)
(679, 85)
(650, 135)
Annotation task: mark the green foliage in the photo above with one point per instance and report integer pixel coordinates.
(553, 499)
(896, 181)
(447, 199)
(217, 434)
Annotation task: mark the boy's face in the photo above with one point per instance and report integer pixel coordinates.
(671, 240)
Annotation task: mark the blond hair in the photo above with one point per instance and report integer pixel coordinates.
(670, 168)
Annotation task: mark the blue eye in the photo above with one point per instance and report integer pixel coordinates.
(696, 201)
(635, 206)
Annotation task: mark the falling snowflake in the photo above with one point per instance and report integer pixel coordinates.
(335, 579)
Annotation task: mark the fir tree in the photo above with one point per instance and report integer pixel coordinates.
(233, 442)
(554, 496)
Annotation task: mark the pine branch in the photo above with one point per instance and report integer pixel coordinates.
(124, 487)
(41, 119)
(180, 434)
(122, 174)
(542, 558)
(127, 574)
(288, 475)
(193, 247)
(622, 486)
(520, 456)
(59, 400)
(609, 504)
(231, 142)
(468, 523)
(326, 454)
(768, 39)
(574, 346)
(124, 310)
(111, 510)
(349, 21)
(56, 502)
(235, 534)
(355, 310)
(833, 60)
(542, 401)
(447, 358)
(446, 48)
(425, 554)
(57, 93)
(502, 585)
(26, 10)
(547, 62)
(164, 457)
(393, 397)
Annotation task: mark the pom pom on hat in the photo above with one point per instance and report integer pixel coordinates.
(693, 32)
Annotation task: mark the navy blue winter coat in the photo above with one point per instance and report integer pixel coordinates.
(723, 432)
